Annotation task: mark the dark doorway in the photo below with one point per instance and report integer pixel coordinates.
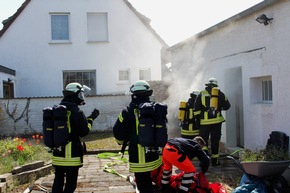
(8, 90)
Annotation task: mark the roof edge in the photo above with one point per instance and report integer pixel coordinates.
(223, 23)
(8, 22)
(146, 21)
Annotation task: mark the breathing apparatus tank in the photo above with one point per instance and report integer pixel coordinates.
(181, 112)
(214, 98)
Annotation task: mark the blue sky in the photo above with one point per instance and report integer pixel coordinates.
(173, 20)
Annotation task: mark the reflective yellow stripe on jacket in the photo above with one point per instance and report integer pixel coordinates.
(189, 132)
(142, 165)
(205, 120)
(68, 160)
(145, 167)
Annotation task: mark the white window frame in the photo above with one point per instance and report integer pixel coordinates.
(122, 77)
(145, 74)
(66, 40)
(97, 27)
(261, 90)
(84, 77)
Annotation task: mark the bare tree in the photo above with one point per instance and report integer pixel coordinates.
(13, 114)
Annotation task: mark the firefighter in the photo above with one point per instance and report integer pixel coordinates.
(179, 152)
(188, 127)
(141, 160)
(209, 105)
(69, 158)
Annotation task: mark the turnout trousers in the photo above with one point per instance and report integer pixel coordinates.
(172, 156)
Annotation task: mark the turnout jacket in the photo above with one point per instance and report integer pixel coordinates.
(125, 131)
(189, 127)
(191, 149)
(207, 115)
(72, 153)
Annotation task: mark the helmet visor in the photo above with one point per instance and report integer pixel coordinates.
(86, 90)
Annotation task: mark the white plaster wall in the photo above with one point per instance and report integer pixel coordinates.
(105, 121)
(259, 51)
(26, 48)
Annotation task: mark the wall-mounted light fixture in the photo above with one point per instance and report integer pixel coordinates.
(263, 19)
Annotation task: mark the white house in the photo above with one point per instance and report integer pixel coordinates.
(104, 44)
(251, 63)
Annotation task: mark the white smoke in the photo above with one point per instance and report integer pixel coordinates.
(182, 80)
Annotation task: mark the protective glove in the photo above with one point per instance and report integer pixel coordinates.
(95, 113)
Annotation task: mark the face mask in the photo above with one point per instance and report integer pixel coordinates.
(81, 95)
(85, 91)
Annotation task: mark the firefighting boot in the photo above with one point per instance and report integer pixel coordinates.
(165, 188)
(215, 162)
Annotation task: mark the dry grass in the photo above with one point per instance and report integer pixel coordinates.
(101, 141)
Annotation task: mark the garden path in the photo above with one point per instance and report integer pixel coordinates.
(93, 179)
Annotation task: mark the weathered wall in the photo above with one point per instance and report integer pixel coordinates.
(31, 120)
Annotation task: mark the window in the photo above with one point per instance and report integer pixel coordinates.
(145, 74)
(267, 91)
(60, 27)
(261, 90)
(87, 78)
(124, 75)
(97, 27)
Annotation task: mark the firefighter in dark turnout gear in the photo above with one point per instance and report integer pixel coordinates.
(69, 158)
(209, 105)
(179, 152)
(141, 161)
(188, 126)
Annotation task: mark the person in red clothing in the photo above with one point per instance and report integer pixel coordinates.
(179, 152)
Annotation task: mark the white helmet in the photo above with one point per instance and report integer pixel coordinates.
(194, 93)
(75, 88)
(141, 87)
(212, 82)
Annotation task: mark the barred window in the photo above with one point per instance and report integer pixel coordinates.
(87, 78)
(267, 91)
